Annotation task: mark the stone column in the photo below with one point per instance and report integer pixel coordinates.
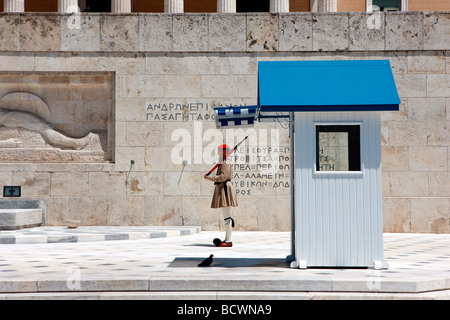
(277, 6)
(14, 6)
(324, 5)
(226, 6)
(121, 6)
(68, 6)
(174, 6)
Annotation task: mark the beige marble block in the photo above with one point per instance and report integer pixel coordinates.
(227, 32)
(409, 184)
(90, 210)
(107, 184)
(395, 158)
(119, 32)
(262, 32)
(426, 109)
(188, 185)
(190, 32)
(10, 32)
(126, 211)
(34, 184)
(295, 32)
(40, 32)
(67, 184)
(404, 31)
(80, 32)
(439, 184)
(430, 215)
(408, 133)
(436, 27)
(428, 158)
(155, 32)
(145, 184)
(411, 85)
(366, 31)
(426, 62)
(396, 215)
(330, 32)
(439, 133)
(438, 85)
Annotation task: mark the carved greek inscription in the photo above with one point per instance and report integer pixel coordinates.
(183, 111)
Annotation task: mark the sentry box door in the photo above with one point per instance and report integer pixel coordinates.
(338, 213)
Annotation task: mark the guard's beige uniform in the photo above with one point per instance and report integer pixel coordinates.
(224, 193)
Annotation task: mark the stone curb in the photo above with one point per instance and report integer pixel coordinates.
(225, 295)
(88, 234)
(153, 284)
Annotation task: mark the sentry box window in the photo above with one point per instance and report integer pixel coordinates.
(12, 191)
(338, 148)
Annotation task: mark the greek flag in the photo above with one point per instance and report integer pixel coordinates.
(236, 116)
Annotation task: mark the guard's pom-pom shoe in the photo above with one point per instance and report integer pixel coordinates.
(226, 244)
(219, 243)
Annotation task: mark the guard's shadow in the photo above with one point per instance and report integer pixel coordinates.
(189, 262)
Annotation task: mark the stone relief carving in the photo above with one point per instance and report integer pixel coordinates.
(20, 119)
(10, 143)
(26, 111)
(56, 117)
(25, 101)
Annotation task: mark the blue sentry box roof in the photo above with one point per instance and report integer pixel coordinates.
(363, 85)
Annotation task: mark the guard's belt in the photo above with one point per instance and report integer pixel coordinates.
(216, 183)
(226, 189)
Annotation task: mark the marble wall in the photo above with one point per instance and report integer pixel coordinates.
(139, 32)
(169, 71)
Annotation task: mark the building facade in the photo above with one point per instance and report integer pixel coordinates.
(222, 6)
(123, 123)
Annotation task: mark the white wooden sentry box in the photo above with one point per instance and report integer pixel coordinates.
(338, 214)
(334, 110)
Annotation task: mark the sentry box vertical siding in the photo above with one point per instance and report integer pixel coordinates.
(337, 211)
(338, 214)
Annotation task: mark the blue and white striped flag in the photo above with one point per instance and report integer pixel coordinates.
(236, 116)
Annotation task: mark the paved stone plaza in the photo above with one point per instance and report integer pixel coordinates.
(166, 267)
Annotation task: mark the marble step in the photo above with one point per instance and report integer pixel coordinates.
(13, 219)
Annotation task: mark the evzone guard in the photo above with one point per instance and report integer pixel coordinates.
(224, 196)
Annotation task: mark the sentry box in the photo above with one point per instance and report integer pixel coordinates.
(335, 134)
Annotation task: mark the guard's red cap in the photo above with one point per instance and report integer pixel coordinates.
(223, 146)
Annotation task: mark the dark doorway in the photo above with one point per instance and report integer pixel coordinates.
(388, 5)
(98, 6)
(252, 5)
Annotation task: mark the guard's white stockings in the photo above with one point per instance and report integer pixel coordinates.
(226, 212)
